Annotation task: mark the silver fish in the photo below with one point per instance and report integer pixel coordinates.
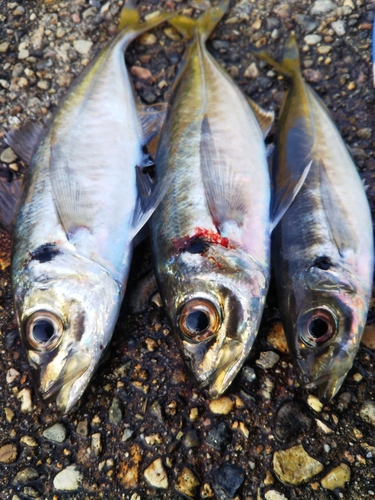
(323, 251)
(211, 232)
(80, 211)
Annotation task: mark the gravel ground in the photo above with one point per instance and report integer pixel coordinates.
(142, 431)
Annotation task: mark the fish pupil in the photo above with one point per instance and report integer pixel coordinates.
(197, 321)
(318, 328)
(43, 331)
(323, 263)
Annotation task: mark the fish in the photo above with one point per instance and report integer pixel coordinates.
(322, 249)
(85, 199)
(210, 234)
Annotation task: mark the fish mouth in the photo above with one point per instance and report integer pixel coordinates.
(328, 385)
(61, 391)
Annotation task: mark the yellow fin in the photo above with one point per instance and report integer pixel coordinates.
(290, 64)
(130, 19)
(265, 118)
(204, 25)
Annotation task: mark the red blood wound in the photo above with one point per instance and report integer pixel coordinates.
(205, 235)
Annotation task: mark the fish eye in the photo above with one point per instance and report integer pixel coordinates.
(323, 263)
(199, 319)
(318, 326)
(43, 330)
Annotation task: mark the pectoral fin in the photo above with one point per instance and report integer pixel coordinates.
(24, 140)
(152, 119)
(264, 117)
(10, 196)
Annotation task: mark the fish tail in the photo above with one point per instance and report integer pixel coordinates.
(130, 20)
(204, 25)
(290, 65)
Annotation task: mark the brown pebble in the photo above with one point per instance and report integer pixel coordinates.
(15, 110)
(8, 453)
(312, 75)
(139, 72)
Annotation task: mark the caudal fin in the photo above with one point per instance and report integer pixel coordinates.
(130, 20)
(290, 64)
(204, 25)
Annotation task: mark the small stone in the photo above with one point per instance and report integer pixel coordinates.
(187, 483)
(191, 439)
(29, 441)
(115, 414)
(367, 412)
(90, 12)
(251, 71)
(312, 39)
(207, 491)
(337, 477)
(68, 479)
(322, 7)
(153, 439)
(324, 50)
(37, 38)
(267, 360)
(364, 133)
(56, 433)
(194, 413)
(248, 374)
(322, 426)
(156, 475)
(227, 480)
(307, 23)
(82, 428)
(142, 73)
(23, 54)
(219, 436)
(9, 414)
(43, 84)
(222, 406)
(178, 377)
(282, 10)
(233, 71)
(269, 479)
(64, 80)
(339, 27)
(172, 33)
(357, 377)
(349, 3)
(4, 83)
(276, 338)
(24, 475)
(9, 156)
(148, 39)
(8, 453)
(96, 443)
(274, 495)
(368, 337)
(4, 46)
(83, 46)
(294, 466)
(19, 11)
(312, 75)
(314, 403)
(26, 402)
(267, 388)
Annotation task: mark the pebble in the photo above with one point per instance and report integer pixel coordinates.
(187, 483)
(222, 406)
(274, 495)
(43, 84)
(276, 338)
(191, 439)
(267, 388)
(155, 474)
(339, 27)
(267, 359)
(322, 7)
(323, 427)
(96, 443)
(68, 479)
(207, 491)
(324, 50)
(139, 72)
(312, 75)
(367, 412)
(306, 23)
(83, 46)
(26, 402)
(219, 436)
(128, 434)
(148, 39)
(56, 433)
(115, 414)
(82, 428)
(24, 475)
(368, 337)
(312, 39)
(227, 480)
(364, 133)
(251, 71)
(29, 441)
(314, 403)
(9, 156)
(337, 477)
(248, 373)
(9, 414)
(291, 419)
(295, 466)
(194, 413)
(173, 34)
(282, 10)
(153, 439)
(4, 47)
(8, 453)
(23, 54)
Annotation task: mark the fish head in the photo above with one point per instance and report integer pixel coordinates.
(326, 329)
(66, 309)
(215, 299)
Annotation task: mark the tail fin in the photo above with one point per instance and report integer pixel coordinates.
(130, 20)
(290, 64)
(204, 25)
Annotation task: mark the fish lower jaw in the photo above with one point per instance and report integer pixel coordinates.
(328, 386)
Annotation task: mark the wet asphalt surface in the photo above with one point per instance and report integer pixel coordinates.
(142, 431)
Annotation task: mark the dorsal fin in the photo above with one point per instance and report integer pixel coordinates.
(24, 140)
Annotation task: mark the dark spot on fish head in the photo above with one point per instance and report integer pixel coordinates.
(45, 253)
